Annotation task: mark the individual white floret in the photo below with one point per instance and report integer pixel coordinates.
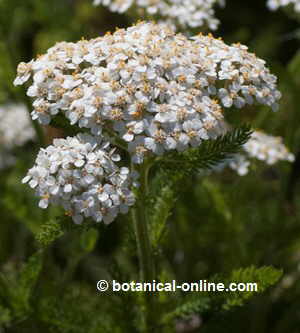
(80, 173)
(155, 89)
(240, 164)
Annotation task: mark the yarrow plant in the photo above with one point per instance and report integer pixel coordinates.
(183, 13)
(140, 97)
(275, 4)
(149, 91)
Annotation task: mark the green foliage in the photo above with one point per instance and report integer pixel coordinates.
(77, 311)
(49, 232)
(25, 284)
(264, 277)
(16, 289)
(5, 316)
(88, 240)
(195, 305)
(210, 153)
(294, 68)
(179, 166)
(57, 227)
(202, 302)
(218, 200)
(160, 212)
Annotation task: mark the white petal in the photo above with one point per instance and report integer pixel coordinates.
(68, 188)
(43, 203)
(26, 179)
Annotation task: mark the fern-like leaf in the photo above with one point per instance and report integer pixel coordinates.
(209, 154)
(265, 277)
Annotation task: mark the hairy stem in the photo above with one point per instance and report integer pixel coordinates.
(140, 220)
(141, 226)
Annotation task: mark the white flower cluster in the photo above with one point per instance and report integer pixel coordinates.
(186, 13)
(263, 147)
(155, 89)
(275, 4)
(15, 130)
(80, 174)
(15, 126)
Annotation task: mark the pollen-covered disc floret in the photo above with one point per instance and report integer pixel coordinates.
(275, 4)
(263, 147)
(155, 89)
(186, 13)
(81, 174)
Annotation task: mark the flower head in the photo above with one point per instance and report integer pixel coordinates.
(186, 13)
(267, 148)
(80, 173)
(263, 147)
(155, 89)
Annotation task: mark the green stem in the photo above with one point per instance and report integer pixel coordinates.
(141, 226)
(140, 220)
